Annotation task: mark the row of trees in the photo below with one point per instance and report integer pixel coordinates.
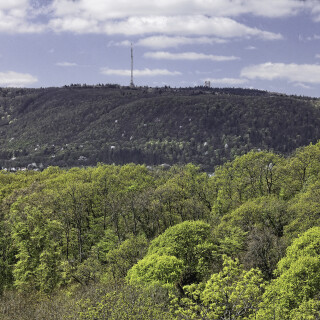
(175, 243)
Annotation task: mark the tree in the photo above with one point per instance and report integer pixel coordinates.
(254, 233)
(231, 294)
(156, 269)
(38, 259)
(296, 290)
(301, 166)
(304, 210)
(252, 175)
(121, 259)
(188, 245)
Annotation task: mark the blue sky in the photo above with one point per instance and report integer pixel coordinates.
(272, 45)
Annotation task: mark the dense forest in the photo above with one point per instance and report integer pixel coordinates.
(137, 242)
(82, 125)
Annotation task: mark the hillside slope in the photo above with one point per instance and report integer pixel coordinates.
(83, 125)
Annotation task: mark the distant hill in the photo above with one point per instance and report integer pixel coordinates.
(83, 125)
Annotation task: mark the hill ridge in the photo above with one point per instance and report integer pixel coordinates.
(83, 125)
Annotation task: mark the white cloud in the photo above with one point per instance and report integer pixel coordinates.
(138, 17)
(16, 16)
(75, 24)
(66, 64)
(309, 38)
(13, 4)
(162, 42)
(199, 17)
(227, 81)
(195, 25)
(314, 7)
(251, 48)
(187, 56)
(107, 9)
(124, 43)
(140, 73)
(180, 17)
(302, 85)
(271, 8)
(317, 56)
(299, 73)
(15, 79)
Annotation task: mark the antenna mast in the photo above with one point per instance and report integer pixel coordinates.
(131, 83)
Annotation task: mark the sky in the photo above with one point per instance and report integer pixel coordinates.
(272, 45)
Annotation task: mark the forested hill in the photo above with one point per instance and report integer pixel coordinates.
(83, 125)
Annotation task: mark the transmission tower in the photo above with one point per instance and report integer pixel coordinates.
(131, 82)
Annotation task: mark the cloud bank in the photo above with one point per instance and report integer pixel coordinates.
(299, 73)
(140, 73)
(160, 55)
(104, 10)
(165, 17)
(162, 41)
(15, 79)
(191, 25)
(66, 64)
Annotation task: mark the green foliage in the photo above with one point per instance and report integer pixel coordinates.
(308, 244)
(187, 246)
(269, 212)
(156, 269)
(125, 302)
(107, 243)
(63, 232)
(121, 259)
(253, 175)
(233, 293)
(297, 286)
(256, 228)
(181, 240)
(304, 210)
(302, 166)
(37, 241)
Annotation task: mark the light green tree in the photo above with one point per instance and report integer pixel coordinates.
(122, 258)
(249, 176)
(156, 269)
(300, 167)
(304, 210)
(231, 294)
(296, 290)
(37, 241)
(189, 246)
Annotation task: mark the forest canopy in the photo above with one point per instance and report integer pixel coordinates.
(138, 242)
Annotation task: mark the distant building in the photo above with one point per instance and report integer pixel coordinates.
(207, 84)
